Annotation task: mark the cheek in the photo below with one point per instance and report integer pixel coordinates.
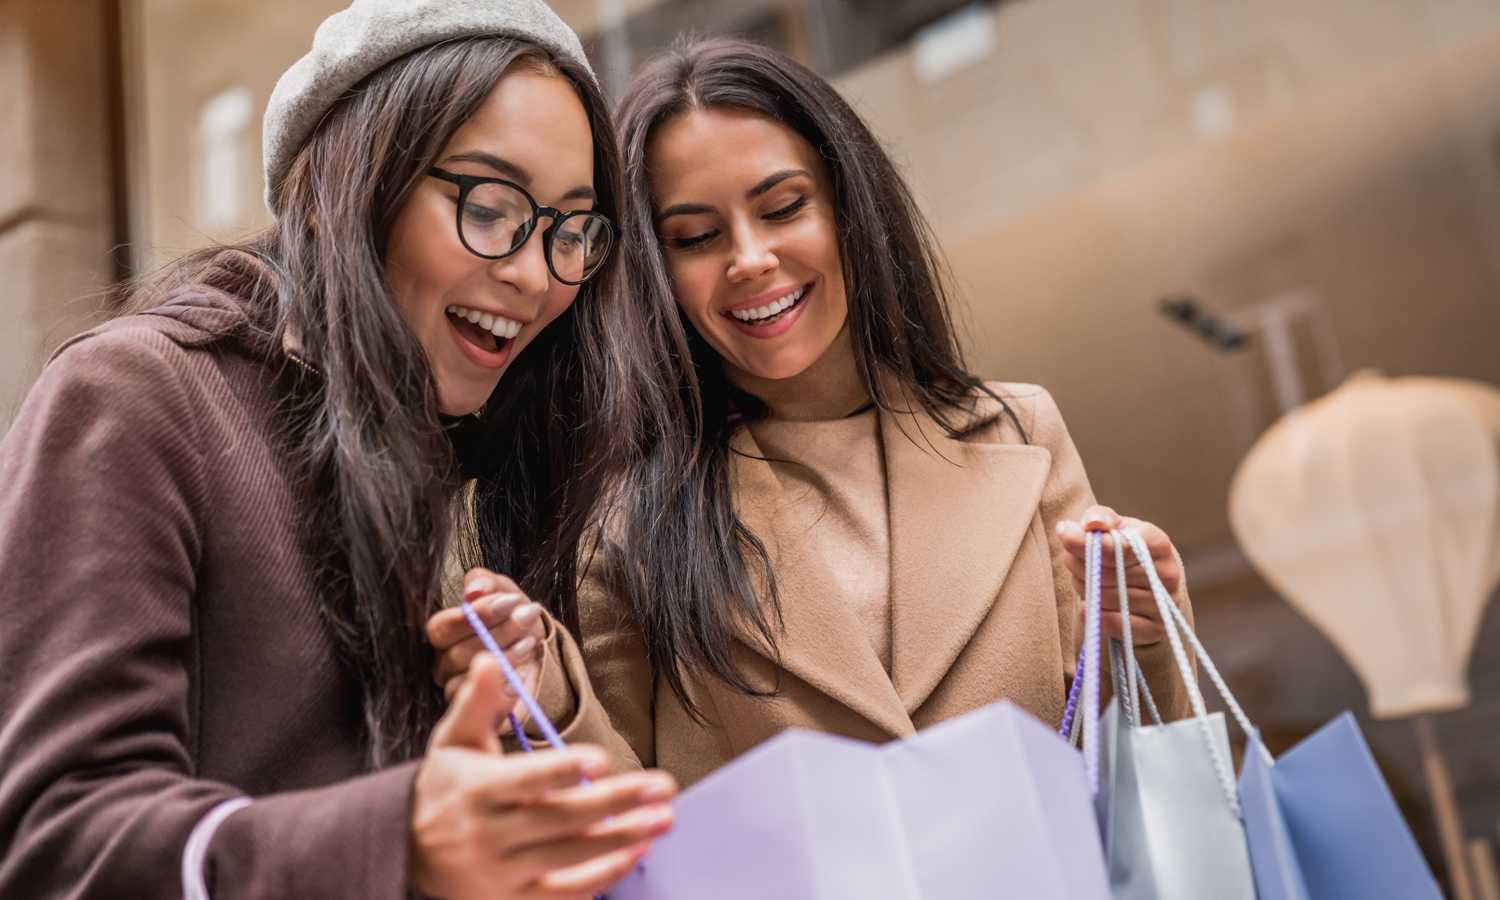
(693, 287)
(422, 267)
(559, 298)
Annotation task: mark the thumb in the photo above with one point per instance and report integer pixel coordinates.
(471, 719)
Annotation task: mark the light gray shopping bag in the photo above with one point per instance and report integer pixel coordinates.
(1166, 799)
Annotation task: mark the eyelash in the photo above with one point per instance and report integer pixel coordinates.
(779, 215)
(786, 212)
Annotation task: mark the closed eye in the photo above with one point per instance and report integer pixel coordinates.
(686, 243)
(786, 212)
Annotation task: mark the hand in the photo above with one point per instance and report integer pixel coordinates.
(519, 827)
(513, 619)
(1145, 619)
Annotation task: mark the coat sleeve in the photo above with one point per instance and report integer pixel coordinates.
(618, 665)
(1067, 495)
(566, 694)
(102, 502)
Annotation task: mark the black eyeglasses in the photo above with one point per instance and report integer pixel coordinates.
(495, 218)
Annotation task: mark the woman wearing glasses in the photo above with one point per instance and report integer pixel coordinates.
(223, 516)
(848, 533)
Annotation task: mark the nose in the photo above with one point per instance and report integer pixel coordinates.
(526, 269)
(753, 255)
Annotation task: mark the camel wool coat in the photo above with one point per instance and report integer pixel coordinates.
(982, 608)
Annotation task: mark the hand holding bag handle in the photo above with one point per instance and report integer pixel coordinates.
(1174, 621)
(1171, 816)
(1132, 677)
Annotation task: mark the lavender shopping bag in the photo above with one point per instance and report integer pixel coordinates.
(1324, 826)
(991, 804)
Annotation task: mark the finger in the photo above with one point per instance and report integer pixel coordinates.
(449, 626)
(455, 661)
(1099, 518)
(1072, 535)
(587, 878)
(1156, 540)
(481, 700)
(1143, 631)
(580, 809)
(530, 777)
(482, 582)
(1142, 602)
(519, 649)
(641, 825)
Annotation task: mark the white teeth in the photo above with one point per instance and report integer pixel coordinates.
(499, 326)
(770, 309)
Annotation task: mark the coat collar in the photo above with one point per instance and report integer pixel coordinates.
(959, 511)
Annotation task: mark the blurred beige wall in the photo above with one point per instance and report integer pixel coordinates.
(56, 214)
(1102, 155)
(207, 69)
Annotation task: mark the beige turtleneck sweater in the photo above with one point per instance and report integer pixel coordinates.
(834, 474)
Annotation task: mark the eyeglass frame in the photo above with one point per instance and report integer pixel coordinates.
(467, 183)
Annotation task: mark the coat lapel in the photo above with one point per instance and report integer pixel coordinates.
(959, 511)
(822, 641)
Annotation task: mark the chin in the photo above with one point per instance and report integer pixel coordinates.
(463, 401)
(781, 368)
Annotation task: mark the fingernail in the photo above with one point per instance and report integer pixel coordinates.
(478, 587)
(659, 819)
(527, 615)
(501, 606)
(1061, 527)
(522, 647)
(658, 790)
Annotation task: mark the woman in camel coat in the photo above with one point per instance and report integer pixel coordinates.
(982, 607)
(839, 528)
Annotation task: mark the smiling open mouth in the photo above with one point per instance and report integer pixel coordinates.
(771, 312)
(485, 331)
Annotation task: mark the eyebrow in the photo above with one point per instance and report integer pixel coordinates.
(765, 184)
(775, 178)
(513, 172)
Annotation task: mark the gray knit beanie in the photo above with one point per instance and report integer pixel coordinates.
(351, 44)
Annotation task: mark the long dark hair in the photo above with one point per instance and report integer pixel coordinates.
(363, 422)
(688, 565)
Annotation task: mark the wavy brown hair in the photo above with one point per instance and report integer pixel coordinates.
(363, 422)
(687, 564)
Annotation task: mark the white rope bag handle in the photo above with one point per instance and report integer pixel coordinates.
(1177, 628)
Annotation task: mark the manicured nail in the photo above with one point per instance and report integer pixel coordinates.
(527, 615)
(479, 586)
(501, 606)
(522, 647)
(657, 790)
(1061, 528)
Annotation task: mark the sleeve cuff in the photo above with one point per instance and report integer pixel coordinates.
(350, 839)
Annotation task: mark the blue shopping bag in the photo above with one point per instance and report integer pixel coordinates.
(1322, 824)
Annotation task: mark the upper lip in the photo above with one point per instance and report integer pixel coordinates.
(770, 296)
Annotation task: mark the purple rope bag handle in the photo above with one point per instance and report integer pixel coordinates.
(1085, 680)
(518, 686)
(549, 731)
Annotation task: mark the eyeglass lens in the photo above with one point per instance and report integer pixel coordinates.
(496, 220)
